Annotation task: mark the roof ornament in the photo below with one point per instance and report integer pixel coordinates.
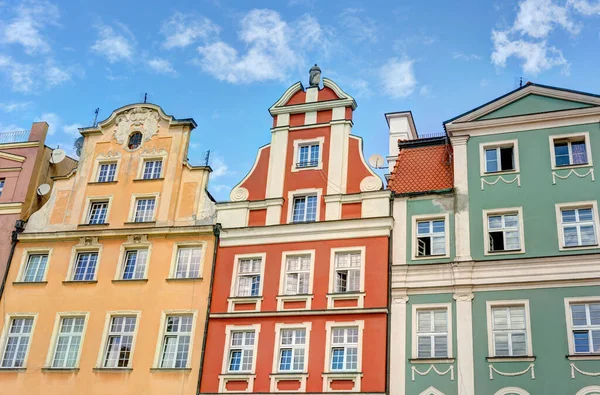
(314, 76)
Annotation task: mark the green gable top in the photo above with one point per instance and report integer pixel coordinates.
(534, 104)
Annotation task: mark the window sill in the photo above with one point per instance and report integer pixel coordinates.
(113, 370)
(186, 279)
(430, 257)
(567, 167)
(289, 374)
(524, 358)
(359, 297)
(61, 370)
(19, 370)
(102, 182)
(165, 370)
(584, 357)
(135, 280)
(30, 282)
(148, 179)
(572, 248)
(431, 360)
(498, 173)
(504, 252)
(67, 282)
(140, 223)
(342, 373)
(102, 224)
(238, 374)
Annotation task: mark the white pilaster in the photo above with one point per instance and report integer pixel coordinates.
(398, 343)
(338, 158)
(338, 113)
(273, 215)
(464, 342)
(310, 118)
(283, 119)
(275, 176)
(312, 94)
(400, 230)
(461, 186)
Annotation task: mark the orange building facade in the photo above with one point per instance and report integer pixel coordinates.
(301, 275)
(107, 290)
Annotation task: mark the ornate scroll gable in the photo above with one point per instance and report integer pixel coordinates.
(138, 119)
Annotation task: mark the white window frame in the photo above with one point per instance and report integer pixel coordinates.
(331, 375)
(106, 333)
(148, 160)
(93, 203)
(279, 327)
(498, 144)
(133, 206)
(332, 296)
(571, 328)
(299, 143)
(300, 193)
(99, 168)
(88, 204)
(593, 204)
(151, 156)
(123, 261)
(225, 375)
(2, 183)
(428, 307)
(4, 337)
(491, 304)
(571, 136)
(430, 217)
(486, 238)
(162, 332)
(25, 262)
(95, 246)
(187, 244)
(233, 298)
(96, 170)
(56, 333)
(283, 297)
(73, 266)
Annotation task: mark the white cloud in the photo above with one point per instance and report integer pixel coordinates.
(464, 56)
(26, 78)
(182, 30)
(9, 128)
(483, 83)
(220, 187)
(114, 44)
(31, 17)
(425, 90)
(585, 7)
(20, 75)
(161, 66)
(14, 106)
(360, 88)
(73, 129)
(219, 167)
(357, 26)
(537, 18)
(54, 122)
(398, 78)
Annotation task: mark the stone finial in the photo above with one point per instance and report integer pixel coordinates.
(314, 76)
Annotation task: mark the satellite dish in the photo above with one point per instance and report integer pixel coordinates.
(376, 161)
(57, 156)
(43, 189)
(78, 145)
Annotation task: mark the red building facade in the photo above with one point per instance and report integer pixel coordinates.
(300, 292)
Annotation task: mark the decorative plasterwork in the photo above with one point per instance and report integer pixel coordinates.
(432, 391)
(140, 119)
(88, 241)
(370, 183)
(529, 368)
(572, 171)
(432, 367)
(109, 155)
(154, 152)
(137, 239)
(575, 368)
(501, 178)
(239, 194)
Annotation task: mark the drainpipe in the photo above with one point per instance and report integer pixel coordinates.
(389, 303)
(217, 233)
(19, 227)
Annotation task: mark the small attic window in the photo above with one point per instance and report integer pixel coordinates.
(135, 140)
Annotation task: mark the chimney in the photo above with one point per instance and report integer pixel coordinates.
(401, 127)
(38, 131)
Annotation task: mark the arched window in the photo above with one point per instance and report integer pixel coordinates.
(135, 139)
(591, 390)
(512, 391)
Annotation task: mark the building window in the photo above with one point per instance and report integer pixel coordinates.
(17, 342)
(432, 333)
(509, 331)
(68, 342)
(152, 169)
(578, 227)
(106, 172)
(97, 213)
(144, 210)
(503, 232)
(2, 180)
(241, 351)
(431, 238)
(134, 267)
(499, 159)
(135, 140)
(347, 271)
(188, 262)
(585, 319)
(248, 279)
(176, 341)
(308, 156)
(292, 344)
(35, 268)
(344, 349)
(570, 151)
(119, 342)
(297, 274)
(305, 208)
(85, 266)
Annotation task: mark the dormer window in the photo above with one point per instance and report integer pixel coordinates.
(135, 140)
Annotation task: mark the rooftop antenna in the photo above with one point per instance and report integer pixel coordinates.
(206, 158)
(520, 82)
(96, 117)
(145, 97)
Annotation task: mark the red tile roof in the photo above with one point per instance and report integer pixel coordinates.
(422, 169)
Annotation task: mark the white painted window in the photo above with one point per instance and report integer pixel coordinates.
(344, 349)
(431, 237)
(144, 209)
(35, 268)
(106, 172)
(292, 345)
(347, 271)
(304, 208)
(432, 333)
(297, 274)
(570, 151)
(176, 341)
(119, 342)
(17, 342)
(85, 266)
(241, 351)
(509, 331)
(134, 267)
(499, 159)
(248, 277)
(2, 180)
(188, 262)
(97, 213)
(152, 169)
(578, 227)
(504, 232)
(308, 155)
(68, 342)
(585, 324)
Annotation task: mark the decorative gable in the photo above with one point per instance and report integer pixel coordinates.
(534, 104)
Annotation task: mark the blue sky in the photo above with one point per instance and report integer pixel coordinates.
(225, 62)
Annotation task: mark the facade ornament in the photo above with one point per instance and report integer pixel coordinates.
(589, 374)
(239, 194)
(501, 178)
(432, 367)
(529, 368)
(88, 241)
(314, 77)
(400, 300)
(109, 155)
(463, 296)
(589, 172)
(154, 152)
(138, 119)
(371, 183)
